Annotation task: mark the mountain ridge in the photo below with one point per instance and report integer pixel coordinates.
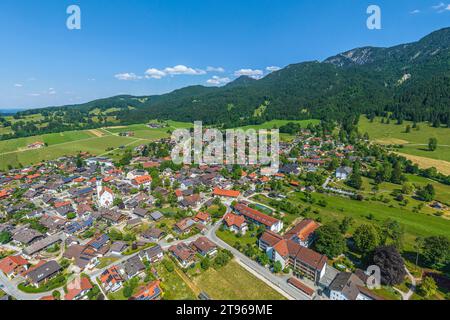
(410, 80)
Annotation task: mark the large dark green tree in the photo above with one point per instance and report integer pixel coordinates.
(330, 241)
(391, 265)
(436, 251)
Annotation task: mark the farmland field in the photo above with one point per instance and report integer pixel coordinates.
(233, 282)
(414, 143)
(95, 146)
(50, 139)
(14, 152)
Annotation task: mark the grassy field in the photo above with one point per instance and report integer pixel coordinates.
(50, 139)
(173, 285)
(95, 146)
(14, 152)
(415, 224)
(233, 282)
(231, 238)
(279, 123)
(415, 143)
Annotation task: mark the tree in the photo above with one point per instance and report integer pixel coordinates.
(436, 251)
(355, 181)
(5, 237)
(56, 294)
(277, 267)
(79, 162)
(330, 241)
(391, 265)
(427, 194)
(407, 188)
(408, 129)
(397, 174)
(392, 230)
(263, 259)
(428, 287)
(205, 263)
(432, 144)
(366, 238)
(345, 224)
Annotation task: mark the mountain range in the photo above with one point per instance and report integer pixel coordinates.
(412, 81)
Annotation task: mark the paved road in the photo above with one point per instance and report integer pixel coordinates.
(257, 269)
(339, 191)
(10, 287)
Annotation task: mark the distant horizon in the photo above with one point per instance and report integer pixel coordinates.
(169, 45)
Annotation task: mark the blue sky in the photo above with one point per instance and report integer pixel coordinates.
(154, 46)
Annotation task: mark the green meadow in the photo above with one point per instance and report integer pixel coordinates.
(414, 143)
(368, 211)
(97, 142)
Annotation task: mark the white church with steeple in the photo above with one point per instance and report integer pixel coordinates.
(105, 196)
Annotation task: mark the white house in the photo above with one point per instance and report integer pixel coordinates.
(105, 196)
(343, 173)
(348, 286)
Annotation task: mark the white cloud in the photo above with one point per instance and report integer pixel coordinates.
(34, 94)
(154, 73)
(273, 68)
(255, 74)
(18, 85)
(91, 79)
(215, 69)
(417, 11)
(51, 91)
(183, 70)
(439, 6)
(127, 76)
(217, 81)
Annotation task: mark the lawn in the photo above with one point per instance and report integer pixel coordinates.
(442, 190)
(386, 189)
(415, 142)
(106, 261)
(233, 282)
(231, 238)
(173, 286)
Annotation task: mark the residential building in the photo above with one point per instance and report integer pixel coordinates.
(259, 218)
(151, 291)
(235, 223)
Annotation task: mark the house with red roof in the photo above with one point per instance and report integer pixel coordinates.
(303, 261)
(4, 193)
(151, 291)
(303, 232)
(14, 265)
(235, 223)
(111, 279)
(203, 218)
(254, 216)
(78, 288)
(145, 181)
(218, 192)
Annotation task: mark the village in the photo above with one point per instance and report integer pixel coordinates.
(86, 227)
